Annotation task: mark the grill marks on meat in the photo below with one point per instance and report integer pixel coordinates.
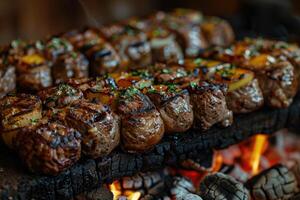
(209, 105)
(164, 47)
(279, 85)
(98, 125)
(17, 112)
(132, 45)
(71, 65)
(277, 76)
(49, 148)
(60, 96)
(142, 126)
(246, 99)
(174, 106)
(7, 79)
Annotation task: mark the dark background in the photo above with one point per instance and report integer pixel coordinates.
(34, 19)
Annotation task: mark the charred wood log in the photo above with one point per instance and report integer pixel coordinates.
(296, 171)
(183, 189)
(102, 193)
(219, 186)
(274, 183)
(296, 197)
(16, 182)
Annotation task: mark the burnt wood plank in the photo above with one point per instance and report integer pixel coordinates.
(17, 183)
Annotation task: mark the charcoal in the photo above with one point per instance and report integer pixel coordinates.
(219, 186)
(102, 193)
(272, 184)
(183, 189)
(296, 197)
(296, 171)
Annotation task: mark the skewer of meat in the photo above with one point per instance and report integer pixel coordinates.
(207, 98)
(276, 75)
(244, 94)
(172, 102)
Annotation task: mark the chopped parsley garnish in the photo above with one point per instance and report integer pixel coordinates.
(198, 61)
(193, 84)
(33, 121)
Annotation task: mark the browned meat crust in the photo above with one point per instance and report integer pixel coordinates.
(17, 112)
(49, 148)
(209, 104)
(7, 79)
(245, 99)
(174, 107)
(142, 126)
(69, 65)
(98, 125)
(59, 96)
(217, 31)
(131, 44)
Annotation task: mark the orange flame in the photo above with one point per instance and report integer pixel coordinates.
(259, 142)
(115, 188)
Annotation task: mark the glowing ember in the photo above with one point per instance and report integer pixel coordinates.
(115, 188)
(259, 142)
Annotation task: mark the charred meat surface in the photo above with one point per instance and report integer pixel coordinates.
(132, 45)
(49, 147)
(70, 65)
(217, 31)
(276, 75)
(56, 46)
(164, 47)
(188, 35)
(60, 96)
(33, 72)
(142, 126)
(174, 106)
(7, 78)
(209, 104)
(17, 112)
(244, 93)
(98, 125)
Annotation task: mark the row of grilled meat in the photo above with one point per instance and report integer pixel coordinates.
(136, 102)
(131, 44)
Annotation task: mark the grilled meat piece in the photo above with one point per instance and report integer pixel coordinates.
(49, 148)
(33, 73)
(188, 35)
(244, 93)
(17, 112)
(98, 125)
(102, 90)
(164, 47)
(7, 77)
(217, 31)
(132, 45)
(209, 104)
(174, 106)
(142, 126)
(60, 96)
(276, 76)
(69, 65)
(57, 46)
(101, 54)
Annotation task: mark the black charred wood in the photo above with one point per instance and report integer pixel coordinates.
(296, 171)
(102, 193)
(296, 197)
(219, 186)
(274, 183)
(16, 182)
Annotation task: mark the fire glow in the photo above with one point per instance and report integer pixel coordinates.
(245, 160)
